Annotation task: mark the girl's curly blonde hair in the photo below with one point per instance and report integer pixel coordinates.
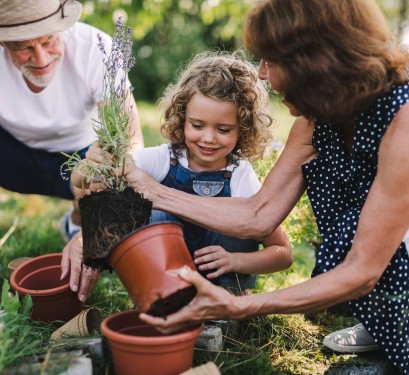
(225, 77)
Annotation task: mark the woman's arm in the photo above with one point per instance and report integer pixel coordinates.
(257, 216)
(381, 227)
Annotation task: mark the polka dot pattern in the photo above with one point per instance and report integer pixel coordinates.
(337, 185)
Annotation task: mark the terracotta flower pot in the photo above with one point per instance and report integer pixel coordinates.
(52, 298)
(147, 262)
(13, 264)
(139, 349)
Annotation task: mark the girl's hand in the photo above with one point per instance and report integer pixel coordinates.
(211, 302)
(214, 257)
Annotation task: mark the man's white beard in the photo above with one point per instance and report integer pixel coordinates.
(40, 80)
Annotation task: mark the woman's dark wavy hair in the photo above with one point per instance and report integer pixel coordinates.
(225, 77)
(334, 56)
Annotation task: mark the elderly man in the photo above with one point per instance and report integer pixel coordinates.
(51, 72)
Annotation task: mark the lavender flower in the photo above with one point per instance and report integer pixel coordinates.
(113, 124)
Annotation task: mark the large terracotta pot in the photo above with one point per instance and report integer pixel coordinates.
(139, 349)
(53, 300)
(147, 262)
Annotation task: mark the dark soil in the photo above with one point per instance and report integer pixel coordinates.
(166, 306)
(106, 218)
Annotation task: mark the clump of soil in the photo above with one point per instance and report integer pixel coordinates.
(165, 306)
(106, 218)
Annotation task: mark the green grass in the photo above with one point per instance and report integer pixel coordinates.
(276, 344)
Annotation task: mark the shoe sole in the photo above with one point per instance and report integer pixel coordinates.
(350, 349)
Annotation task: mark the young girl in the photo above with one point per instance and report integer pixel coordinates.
(215, 117)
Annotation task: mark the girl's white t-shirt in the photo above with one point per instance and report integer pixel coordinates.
(156, 162)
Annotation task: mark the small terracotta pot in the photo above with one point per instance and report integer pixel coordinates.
(53, 300)
(147, 262)
(13, 264)
(81, 325)
(139, 349)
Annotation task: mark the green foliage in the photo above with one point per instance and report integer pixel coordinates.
(146, 15)
(32, 237)
(9, 303)
(113, 124)
(168, 33)
(300, 225)
(109, 294)
(18, 339)
(150, 117)
(277, 344)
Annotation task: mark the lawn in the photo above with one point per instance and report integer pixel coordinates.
(277, 344)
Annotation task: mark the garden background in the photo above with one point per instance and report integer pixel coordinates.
(166, 34)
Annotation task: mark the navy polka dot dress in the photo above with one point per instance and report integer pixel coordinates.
(337, 186)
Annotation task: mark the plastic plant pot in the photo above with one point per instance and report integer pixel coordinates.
(53, 300)
(147, 262)
(139, 349)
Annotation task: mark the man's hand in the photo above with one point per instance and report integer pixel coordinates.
(82, 278)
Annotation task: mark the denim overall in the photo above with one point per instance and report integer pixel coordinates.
(207, 184)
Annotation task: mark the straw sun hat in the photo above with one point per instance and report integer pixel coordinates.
(30, 19)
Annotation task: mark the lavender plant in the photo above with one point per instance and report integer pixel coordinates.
(113, 124)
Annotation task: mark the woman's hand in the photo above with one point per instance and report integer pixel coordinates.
(82, 278)
(137, 178)
(211, 302)
(214, 258)
(141, 181)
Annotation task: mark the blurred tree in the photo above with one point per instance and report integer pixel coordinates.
(396, 14)
(403, 11)
(168, 33)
